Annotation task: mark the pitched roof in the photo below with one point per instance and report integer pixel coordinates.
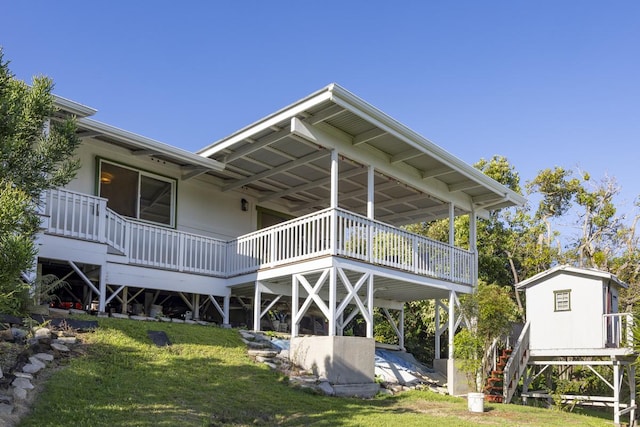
(567, 269)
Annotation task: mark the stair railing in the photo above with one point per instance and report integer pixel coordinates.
(516, 365)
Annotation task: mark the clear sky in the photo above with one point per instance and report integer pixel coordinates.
(543, 83)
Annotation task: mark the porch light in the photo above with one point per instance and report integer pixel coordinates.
(106, 177)
(244, 205)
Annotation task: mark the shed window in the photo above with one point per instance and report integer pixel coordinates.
(562, 300)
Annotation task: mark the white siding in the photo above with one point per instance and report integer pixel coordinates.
(579, 328)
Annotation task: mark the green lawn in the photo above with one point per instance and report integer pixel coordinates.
(206, 379)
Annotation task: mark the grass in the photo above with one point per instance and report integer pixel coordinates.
(206, 379)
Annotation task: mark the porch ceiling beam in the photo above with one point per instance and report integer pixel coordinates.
(487, 198)
(406, 155)
(436, 172)
(344, 196)
(310, 185)
(258, 144)
(426, 212)
(189, 172)
(464, 185)
(282, 168)
(367, 136)
(401, 200)
(325, 114)
(367, 155)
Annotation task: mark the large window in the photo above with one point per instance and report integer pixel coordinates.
(562, 300)
(138, 194)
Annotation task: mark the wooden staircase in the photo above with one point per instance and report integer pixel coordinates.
(494, 386)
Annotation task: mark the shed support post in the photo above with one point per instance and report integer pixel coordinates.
(102, 302)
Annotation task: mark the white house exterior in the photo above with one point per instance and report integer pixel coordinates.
(302, 208)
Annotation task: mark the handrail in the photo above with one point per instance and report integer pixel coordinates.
(617, 330)
(87, 217)
(516, 365)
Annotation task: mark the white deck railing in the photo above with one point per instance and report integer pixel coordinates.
(617, 330)
(327, 232)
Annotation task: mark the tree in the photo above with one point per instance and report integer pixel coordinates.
(36, 154)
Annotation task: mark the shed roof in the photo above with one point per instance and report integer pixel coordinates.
(567, 269)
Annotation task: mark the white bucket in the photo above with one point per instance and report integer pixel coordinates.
(475, 402)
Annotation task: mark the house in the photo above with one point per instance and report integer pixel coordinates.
(302, 209)
(573, 321)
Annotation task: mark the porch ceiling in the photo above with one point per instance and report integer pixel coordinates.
(414, 180)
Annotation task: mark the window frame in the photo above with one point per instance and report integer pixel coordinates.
(143, 172)
(555, 300)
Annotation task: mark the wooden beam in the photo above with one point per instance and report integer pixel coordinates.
(368, 136)
(432, 173)
(311, 184)
(279, 169)
(464, 185)
(189, 172)
(258, 144)
(325, 114)
(406, 155)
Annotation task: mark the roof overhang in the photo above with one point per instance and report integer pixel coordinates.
(286, 156)
(567, 269)
(191, 164)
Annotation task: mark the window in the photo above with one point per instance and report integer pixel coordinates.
(138, 194)
(562, 300)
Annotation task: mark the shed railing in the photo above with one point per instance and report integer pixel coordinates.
(617, 330)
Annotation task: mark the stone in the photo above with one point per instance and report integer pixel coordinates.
(42, 333)
(164, 319)
(190, 322)
(57, 312)
(76, 311)
(35, 361)
(176, 320)
(267, 360)
(202, 323)
(23, 375)
(66, 340)
(151, 319)
(1, 374)
(45, 357)
(76, 324)
(159, 338)
(136, 317)
(19, 393)
(5, 398)
(6, 409)
(6, 335)
(30, 368)
(103, 314)
(271, 365)
(60, 347)
(18, 333)
(262, 353)
(326, 388)
(22, 383)
(8, 318)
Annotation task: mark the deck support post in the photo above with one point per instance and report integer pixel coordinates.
(617, 383)
(196, 306)
(452, 237)
(102, 301)
(333, 279)
(257, 304)
(225, 316)
(125, 300)
(451, 332)
(295, 299)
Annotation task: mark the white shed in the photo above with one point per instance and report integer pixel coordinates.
(572, 308)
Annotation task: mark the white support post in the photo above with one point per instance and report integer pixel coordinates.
(334, 179)
(333, 279)
(616, 393)
(196, 306)
(437, 334)
(102, 302)
(257, 304)
(370, 193)
(401, 328)
(295, 291)
(452, 238)
(225, 317)
(473, 244)
(370, 307)
(631, 371)
(452, 330)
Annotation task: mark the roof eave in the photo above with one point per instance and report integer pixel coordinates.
(72, 107)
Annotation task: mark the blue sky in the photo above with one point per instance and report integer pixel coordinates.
(543, 83)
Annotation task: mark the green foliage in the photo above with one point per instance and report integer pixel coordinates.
(35, 155)
(490, 312)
